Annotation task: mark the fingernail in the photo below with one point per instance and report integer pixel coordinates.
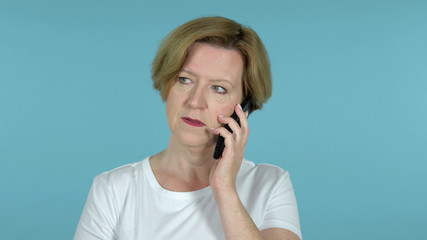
(214, 130)
(240, 106)
(220, 116)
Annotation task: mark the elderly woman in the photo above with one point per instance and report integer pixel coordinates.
(204, 69)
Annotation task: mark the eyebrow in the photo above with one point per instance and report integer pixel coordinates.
(210, 80)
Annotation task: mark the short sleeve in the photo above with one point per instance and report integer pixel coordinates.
(98, 220)
(282, 209)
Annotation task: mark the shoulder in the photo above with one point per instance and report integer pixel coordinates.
(269, 190)
(117, 185)
(262, 171)
(263, 176)
(122, 176)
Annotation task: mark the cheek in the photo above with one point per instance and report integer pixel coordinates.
(172, 105)
(224, 105)
(175, 96)
(224, 111)
(227, 111)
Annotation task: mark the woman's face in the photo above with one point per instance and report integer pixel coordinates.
(209, 84)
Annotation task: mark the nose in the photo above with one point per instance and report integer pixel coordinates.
(197, 97)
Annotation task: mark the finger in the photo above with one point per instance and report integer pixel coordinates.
(227, 135)
(232, 124)
(244, 126)
(222, 131)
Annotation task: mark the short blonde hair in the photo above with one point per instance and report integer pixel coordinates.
(222, 32)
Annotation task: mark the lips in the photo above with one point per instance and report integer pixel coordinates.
(193, 122)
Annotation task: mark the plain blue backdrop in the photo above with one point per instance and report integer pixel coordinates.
(348, 116)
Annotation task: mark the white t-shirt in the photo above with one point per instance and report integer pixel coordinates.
(129, 203)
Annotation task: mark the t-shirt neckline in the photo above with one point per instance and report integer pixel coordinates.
(149, 174)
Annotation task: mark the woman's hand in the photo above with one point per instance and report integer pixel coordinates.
(236, 221)
(223, 174)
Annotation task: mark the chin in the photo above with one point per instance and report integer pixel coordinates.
(195, 140)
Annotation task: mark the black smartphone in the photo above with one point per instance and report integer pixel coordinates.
(220, 145)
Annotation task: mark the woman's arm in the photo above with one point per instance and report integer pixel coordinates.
(278, 234)
(97, 220)
(236, 221)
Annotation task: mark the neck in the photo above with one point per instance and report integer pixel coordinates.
(183, 168)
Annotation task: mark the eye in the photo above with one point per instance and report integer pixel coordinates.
(219, 89)
(184, 80)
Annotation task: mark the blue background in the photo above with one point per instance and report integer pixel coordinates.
(348, 116)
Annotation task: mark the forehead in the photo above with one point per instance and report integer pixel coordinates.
(213, 62)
